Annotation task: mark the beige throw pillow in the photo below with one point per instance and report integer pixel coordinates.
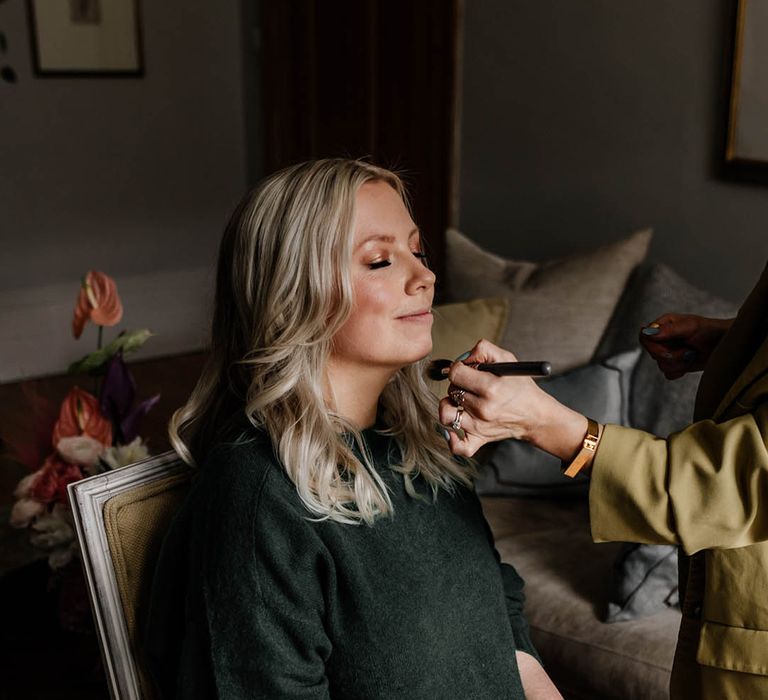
(558, 310)
(457, 327)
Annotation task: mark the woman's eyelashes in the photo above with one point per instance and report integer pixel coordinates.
(378, 264)
(421, 256)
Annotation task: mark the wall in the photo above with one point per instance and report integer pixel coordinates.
(586, 120)
(133, 176)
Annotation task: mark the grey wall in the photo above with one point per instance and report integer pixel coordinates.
(585, 120)
(124, 175)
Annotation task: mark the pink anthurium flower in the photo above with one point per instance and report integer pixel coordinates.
(80, 415)
(98, 302)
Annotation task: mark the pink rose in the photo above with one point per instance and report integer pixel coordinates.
(45, 485)
(51, 482)
(71, 473)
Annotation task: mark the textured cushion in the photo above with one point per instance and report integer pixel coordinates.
(457, 327)
(645, 581)
(558, 309)
(566, 582)
(135, 522)
(601, 391)
(658, 406)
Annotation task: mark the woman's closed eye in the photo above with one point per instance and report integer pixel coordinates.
(378, 264)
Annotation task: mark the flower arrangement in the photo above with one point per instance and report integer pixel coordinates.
(90, 434)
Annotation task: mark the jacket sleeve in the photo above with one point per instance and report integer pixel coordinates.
(264, 570)
(704, 487)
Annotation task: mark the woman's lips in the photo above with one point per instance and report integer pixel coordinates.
(419, 316)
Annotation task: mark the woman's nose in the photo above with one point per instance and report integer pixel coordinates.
(421, 277)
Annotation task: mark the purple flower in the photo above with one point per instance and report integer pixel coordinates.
(118, 394)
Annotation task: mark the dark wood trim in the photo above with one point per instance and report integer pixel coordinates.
(374, 79)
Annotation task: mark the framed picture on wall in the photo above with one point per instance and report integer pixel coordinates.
(747, 137)
(86, 37)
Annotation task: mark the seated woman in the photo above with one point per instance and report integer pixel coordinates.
(331, 546)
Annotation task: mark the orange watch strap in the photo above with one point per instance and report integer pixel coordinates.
(587, 452)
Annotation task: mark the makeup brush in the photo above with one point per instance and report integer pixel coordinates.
(500, 369)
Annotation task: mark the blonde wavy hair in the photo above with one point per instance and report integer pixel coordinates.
(283, 291)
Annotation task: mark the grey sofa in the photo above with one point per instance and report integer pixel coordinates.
(567, 580)
(547, 539)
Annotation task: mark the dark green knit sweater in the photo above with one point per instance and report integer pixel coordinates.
(253, 600)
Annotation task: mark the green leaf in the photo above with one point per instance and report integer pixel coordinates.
(96, 362)
(128, 341)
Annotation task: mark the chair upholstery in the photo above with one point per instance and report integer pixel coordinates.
(121, 517)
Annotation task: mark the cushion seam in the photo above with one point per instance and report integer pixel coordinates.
(601, 648)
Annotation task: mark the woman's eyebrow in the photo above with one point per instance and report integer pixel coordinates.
(385, 237)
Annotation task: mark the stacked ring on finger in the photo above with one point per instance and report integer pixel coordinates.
(456, 425)
(457, 396)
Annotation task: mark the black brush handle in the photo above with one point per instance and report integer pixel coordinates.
(516, 369)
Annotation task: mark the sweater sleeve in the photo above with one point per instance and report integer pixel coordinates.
(264, 570)
(701, 488)
(514, 597)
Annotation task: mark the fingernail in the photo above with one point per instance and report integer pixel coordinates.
(689, 355)
(650, 331)
(462, 357)
(667, 355)
(446, 435)
(445, 370)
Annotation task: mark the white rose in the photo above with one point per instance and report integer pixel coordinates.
(123, 455)
(24, 511)
(80, 449)
(61, 556)
(53, 529)
(25, 485)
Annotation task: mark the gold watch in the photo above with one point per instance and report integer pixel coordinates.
(587, 452)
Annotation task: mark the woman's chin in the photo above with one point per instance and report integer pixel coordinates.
(418, 354)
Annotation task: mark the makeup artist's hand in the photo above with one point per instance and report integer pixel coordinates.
(496, 408)
(681, 343)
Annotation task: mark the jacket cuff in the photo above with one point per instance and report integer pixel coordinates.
(628, 493)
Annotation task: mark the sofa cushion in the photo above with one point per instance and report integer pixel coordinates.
(457, 327)
(599, 390)
(658, 406)
(558, 309)
(644, 581)
(566, 586)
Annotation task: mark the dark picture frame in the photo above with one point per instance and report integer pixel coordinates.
(82, 38)
(746, 147)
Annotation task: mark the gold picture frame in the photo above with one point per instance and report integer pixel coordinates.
(747, 132)
(86, 37)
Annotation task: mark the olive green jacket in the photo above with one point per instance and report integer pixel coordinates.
(705, 488)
